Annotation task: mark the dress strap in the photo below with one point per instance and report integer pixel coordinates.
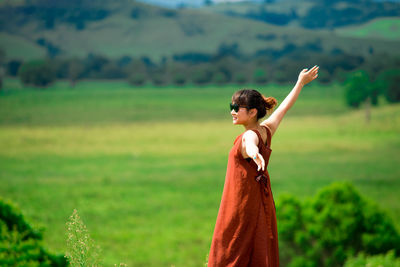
(269, 135)
(259, 136)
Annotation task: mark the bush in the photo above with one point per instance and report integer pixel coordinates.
(260, 76)
(37, 73)
(202, 76)
(158, 78)
(241, 78)
(358, 88)
(220, 78)
(137, 79)
(13, 67)
(335, 225)
(381, 260)
(179, 79)
(390, 82)
(20, 244)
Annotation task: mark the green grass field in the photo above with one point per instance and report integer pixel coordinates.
(382, 28)
(145, 167)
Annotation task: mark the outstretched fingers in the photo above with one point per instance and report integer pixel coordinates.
(307, 76)
(260, 162)
(314, 70)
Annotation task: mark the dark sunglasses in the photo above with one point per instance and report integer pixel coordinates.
(235, 107)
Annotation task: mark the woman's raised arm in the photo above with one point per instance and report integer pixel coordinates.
(276, 117)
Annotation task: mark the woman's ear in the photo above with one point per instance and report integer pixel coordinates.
(253, 112)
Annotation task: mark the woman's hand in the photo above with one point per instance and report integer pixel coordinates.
(307, 76)
(259, 160)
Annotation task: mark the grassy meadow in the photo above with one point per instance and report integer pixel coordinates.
(381, 28)
(145, 167)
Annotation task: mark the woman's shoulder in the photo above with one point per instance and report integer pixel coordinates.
(238, 138)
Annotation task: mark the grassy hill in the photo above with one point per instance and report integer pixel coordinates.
(309, 13)
(382, 28)
(118, 28)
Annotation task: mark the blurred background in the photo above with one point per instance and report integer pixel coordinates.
(119, 109)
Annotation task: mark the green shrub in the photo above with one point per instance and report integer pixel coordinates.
(390, 82)
(20, 244)
(202, 76)
(381, 260)
(158, 78)
(241, 78)
(359, 88)
(220, 78)
(335, 225)
(179, 79)
(37, 73)
(137, 79)
(260, 76)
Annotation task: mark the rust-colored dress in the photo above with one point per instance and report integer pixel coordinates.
(245, 233)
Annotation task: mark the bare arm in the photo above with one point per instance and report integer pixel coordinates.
(250, 149)
(276, 117)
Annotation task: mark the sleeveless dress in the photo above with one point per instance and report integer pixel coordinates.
(245, 232)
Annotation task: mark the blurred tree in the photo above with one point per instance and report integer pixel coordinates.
(139, 12)
(202, 75)
(75, 70)
(137, 79)
(359, 89)
(208, 2)
(2, 61)
(389, 81)
(111, 70)
(37, 73)
(94, 64)
(228, 50)
(241, 78)
(13, 67)
(260, 76)
(179, 79)
(158, 78)
(220, 78)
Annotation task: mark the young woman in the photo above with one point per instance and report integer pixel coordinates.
(245, 233)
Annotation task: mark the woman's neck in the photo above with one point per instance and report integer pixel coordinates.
(252, 125)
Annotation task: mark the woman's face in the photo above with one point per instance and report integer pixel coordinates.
(242, 116)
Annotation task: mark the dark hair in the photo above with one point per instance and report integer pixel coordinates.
(251, 98)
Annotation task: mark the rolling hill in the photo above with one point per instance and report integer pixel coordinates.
(119, 28)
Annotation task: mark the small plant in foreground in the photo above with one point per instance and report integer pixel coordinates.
(81, 250)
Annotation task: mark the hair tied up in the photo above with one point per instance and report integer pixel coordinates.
(270, 104)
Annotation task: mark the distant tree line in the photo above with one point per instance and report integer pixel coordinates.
(227, 66)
